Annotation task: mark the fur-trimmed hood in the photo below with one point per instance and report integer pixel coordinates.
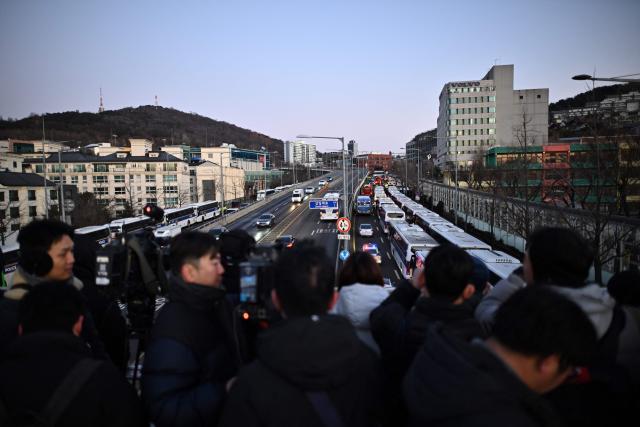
(20, 281)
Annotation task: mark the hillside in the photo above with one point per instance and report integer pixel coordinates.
(597, 95)
(158, 124)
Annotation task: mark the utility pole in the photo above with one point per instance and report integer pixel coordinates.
(44, 173)
(64, 217)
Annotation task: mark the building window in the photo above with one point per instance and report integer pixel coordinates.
(1, 196)
(3, 213)
(151, 190)
(492, 109)
(170, 178)
(171, 189)
(492, 120)
(154, 201)
(100, 179)
(150, 178)
(15, 227)
(39, 169)
(84, 179)
(118, 178)
(119, 191)
(170, 201)
(13, 195)
(492, 131)
(101, 191)
(100, 168)
(170, 167)
(538, 96)
(492, 99)
(33, 211)
(31, 194)
(102, 202)
(74, 180)
(521, 97)
(79, 168)
(151, 167)
(14, 212)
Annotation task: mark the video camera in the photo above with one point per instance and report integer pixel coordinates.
(132, 267)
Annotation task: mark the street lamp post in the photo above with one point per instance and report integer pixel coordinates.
(344, 172)
(621, 79)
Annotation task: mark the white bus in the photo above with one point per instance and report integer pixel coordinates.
(128, 225)
(406, 240)
(390, 213)
(449, 233)
(182, 217)
(426, 219)
(164, 234)
(263, 194)
(297, 196)
(206, 210)
(100, 233)
(500, 264)
(331, 214)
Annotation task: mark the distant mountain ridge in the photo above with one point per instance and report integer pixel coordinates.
(161, 125)
(597, 95)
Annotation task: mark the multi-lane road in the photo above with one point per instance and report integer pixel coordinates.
(303, 223)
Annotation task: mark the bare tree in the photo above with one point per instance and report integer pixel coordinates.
(87, 211)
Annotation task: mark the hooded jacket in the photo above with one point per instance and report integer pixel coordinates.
(302, 355)
(454, 383)
(489, 304)
(356, 303)
(190, 357)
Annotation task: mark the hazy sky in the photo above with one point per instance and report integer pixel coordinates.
(366, 70)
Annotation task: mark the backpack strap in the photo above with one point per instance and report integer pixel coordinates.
(69, 389)
(324, 408)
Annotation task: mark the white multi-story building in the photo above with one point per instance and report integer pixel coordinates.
(478, 114)
(299, 152)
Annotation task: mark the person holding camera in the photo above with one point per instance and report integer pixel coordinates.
(46, 255)
(311, 368)
(191, 355)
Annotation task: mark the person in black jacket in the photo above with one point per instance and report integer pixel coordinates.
(438, 294)
(46, 255)
(312, 369)
(191, 355)
(538, 338)
(49, 348)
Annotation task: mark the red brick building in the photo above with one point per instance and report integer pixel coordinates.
(376, 162)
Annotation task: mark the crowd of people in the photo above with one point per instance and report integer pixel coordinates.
(544, 346)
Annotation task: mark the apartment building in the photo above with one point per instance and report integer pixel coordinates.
(476, 115)
(299, 152)
(22, 199)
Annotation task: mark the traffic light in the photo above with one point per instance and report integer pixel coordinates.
(153, 211)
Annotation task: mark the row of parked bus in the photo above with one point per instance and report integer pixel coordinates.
(173, 221)
(414, 230)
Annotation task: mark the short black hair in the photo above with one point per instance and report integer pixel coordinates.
(447, 271)
(188, 246)
(560, 256)
(538, 321)
(624, 287)
(50, 306)
(362, 268)
(304, 279)
(40, 234)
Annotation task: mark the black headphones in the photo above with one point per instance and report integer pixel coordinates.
(35, 261)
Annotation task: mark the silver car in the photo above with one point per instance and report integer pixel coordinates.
(266, 220)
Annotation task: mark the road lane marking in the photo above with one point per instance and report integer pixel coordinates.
(313, 232)
(388, 255)
(397, 275)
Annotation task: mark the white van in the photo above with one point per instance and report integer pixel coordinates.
(297, 196)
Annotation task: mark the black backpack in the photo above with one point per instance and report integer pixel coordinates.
(64, 394)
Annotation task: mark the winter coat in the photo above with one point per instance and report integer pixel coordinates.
(190, 357)
(19, 285)
(488, 306)
(35, 364)
(455, 383)
(356, 303)
(305, 355)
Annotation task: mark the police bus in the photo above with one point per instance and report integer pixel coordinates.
(125, 226)
(406, 240)
(263, 194)
(390, 213)
(449, 233)
(425, 218)
(206, 210)
(182, 217)
(499, 264)
(100, 233)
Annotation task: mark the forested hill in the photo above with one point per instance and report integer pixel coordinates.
(597, 95)
(161, 125)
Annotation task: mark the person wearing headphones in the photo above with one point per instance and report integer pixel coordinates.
(46, 255)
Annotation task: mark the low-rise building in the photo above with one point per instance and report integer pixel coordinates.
(22, 199)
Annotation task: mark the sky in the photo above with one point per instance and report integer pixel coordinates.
(365, 70)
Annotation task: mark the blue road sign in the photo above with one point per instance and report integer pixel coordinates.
(344, 254)
(323, 204)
